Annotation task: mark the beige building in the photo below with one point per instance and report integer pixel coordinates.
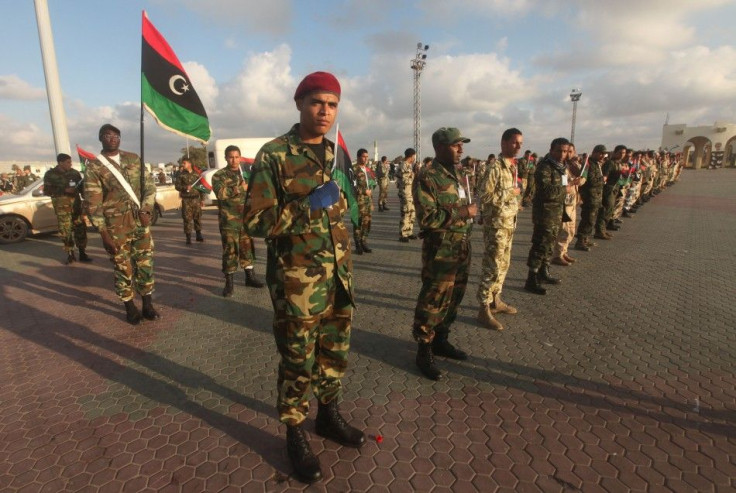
(707, 146)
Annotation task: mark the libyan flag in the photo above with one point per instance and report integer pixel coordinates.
(342, 173)
(166, 91)
(84, 158)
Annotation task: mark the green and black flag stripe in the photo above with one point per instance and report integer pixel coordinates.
(166, 91)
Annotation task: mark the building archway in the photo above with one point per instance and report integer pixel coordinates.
(697, 152)
(729, 158)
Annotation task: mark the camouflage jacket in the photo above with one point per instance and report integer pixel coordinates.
(523, 164)
(497, 202)
(437, 199)
(362, 185)
(611, 173)
(382, 170)
(109, 205)
(549, 193)
(405, 175)
(184, 180)
(228, 187)
(593, 186)
(306, 250)
(56, 181)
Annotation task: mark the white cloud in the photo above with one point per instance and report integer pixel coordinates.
(203, 83)
(14, 88)
(272, 17)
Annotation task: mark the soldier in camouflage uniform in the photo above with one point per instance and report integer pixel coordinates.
(382, 170)
(404, 180)
(550, 181)
(230, 187)
(365, 204)
(445, 217)
(498, 197)
(611, 174)
(528, 196)
(121, 212)
(192, 200)
(591, 194)
(523, 171)
(62, 185)
(294, 203)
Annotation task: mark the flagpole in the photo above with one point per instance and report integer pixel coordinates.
(143, 165)
(337, 144)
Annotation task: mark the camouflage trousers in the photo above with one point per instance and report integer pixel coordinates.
(238, 249)
(528, 191)
(382, 191)
(445, 266)
(133, 262)
(496, 262)
(566, 233)
(543, 240)
(72, 230)
(632, 195)
(191, 214)
(605, 212)
(365, 206)
(406, 223)
(588, 216)
(314, 352)
(618, 207)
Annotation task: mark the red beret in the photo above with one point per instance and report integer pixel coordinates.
(317, 81)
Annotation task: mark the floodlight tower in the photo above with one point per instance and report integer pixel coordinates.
(574, 97)
(417, 65)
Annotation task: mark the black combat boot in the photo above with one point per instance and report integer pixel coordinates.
(83, 257)
(305, 463)
(330, 424)
(581, 245)
(532, 283)
(149, 312)
(425, 362)
(545, 276)
(189, 239)
(132, 315)
(200, 238)
(385, 208)
(611, 226)
(358, 247)
(365, 247)
(251, 280)
(228, 291)
(380, 208)
(70, 258)
(441, 346)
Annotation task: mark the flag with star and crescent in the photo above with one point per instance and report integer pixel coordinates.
(166, 91)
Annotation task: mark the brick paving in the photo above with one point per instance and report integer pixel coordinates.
(620, 379)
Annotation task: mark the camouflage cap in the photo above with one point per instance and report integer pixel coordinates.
(448, 136)
(600, 148)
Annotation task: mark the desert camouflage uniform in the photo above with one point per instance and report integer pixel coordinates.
(567, 228)
(309, 271)
(408, 213)
(365, 205)
(237, 246)
(499, 207)
(547, 210)
(110, 207)
(382, 170)
(191, 201)
(591, 194)
(445, 250)
(68, 207)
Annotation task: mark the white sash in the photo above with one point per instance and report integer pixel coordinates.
(120, 178)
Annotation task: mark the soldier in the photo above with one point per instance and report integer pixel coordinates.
(23, 178)
(230, 187)
(382, 172)
(192, 200)
(445, 217)
(62, 185)
(529, 189)
(550, 182)
(523, 170)
(404, 180)
(591, 193)
(294, 203)
(6, 185)
(365, 204)
(498, 197)
(567, 228)
(611, 173)
(121, 212)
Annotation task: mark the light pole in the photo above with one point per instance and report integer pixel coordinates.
(575, 97)
(417, 64)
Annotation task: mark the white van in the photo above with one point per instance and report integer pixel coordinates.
(249, 147)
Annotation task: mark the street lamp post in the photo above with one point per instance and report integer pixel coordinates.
(417, 64)
(575, 97)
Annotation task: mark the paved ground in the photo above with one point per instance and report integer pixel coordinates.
(620, 379)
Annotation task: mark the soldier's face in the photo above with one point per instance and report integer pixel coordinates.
(317, 113)
(619, 155)
(233, 159)
(450, 154)
(66, 165)
(110, 141)
(560, 153)
(362, 159)
(187, 166)
(511, 147)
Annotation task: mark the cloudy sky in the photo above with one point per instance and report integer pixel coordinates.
(492, 64)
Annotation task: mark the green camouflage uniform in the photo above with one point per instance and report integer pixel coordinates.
(499, 207)
(191, 201)
(404, 182)
(528, 196)
(309, 271)
(611, 171)
(111, 208)
(382, 170)
(591, 193)
(365, 205)
(547, 210)
(68, 207)
(445, 249)
(237, 246)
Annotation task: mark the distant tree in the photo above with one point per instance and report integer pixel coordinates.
(198, 155)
